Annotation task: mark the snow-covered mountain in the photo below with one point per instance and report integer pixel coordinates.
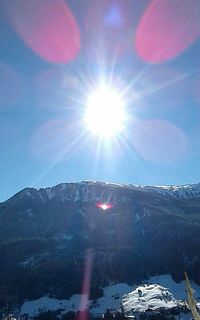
(151, 297)
(104, 191)
(45, 235)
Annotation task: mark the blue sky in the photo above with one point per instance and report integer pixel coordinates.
(55, 53)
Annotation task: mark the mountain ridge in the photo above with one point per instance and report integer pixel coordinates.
(45, 235)
(187, 191)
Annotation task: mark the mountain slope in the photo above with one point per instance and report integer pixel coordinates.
(45, 235)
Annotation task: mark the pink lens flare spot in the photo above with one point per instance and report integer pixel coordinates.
(167, 28)
(48, 27)
(107, 22)
(160, 141)
(83, 313)
(104, 206)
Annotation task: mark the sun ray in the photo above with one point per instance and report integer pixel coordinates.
(68, 149)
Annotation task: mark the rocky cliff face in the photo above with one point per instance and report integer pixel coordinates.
(46, 233)
(93, 190)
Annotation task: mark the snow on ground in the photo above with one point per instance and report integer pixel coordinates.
(35, 307)
(111, 300)
(112, 297)
(146, 297)
(177, 289)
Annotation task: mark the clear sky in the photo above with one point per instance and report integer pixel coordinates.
(55, 53)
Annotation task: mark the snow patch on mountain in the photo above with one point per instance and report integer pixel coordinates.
(147, 297)
(188, 191)
(177, 289)
(158, 292)
(90, 190)
(87, 191)
(50, 193)
(112, 296)
(110, 300)
(43, 304)
(29, 194)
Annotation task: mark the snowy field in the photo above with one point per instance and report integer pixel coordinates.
(151, 296)
(177, 289)
(165, 293)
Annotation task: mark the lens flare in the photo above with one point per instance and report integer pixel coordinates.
(160, 141)
(47, 27)
(107, 22)
(166, 29)
(104, 206)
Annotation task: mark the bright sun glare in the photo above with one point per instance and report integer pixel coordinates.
(104, 206)
(105, 114)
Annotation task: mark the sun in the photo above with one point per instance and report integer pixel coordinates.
(105, 113)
